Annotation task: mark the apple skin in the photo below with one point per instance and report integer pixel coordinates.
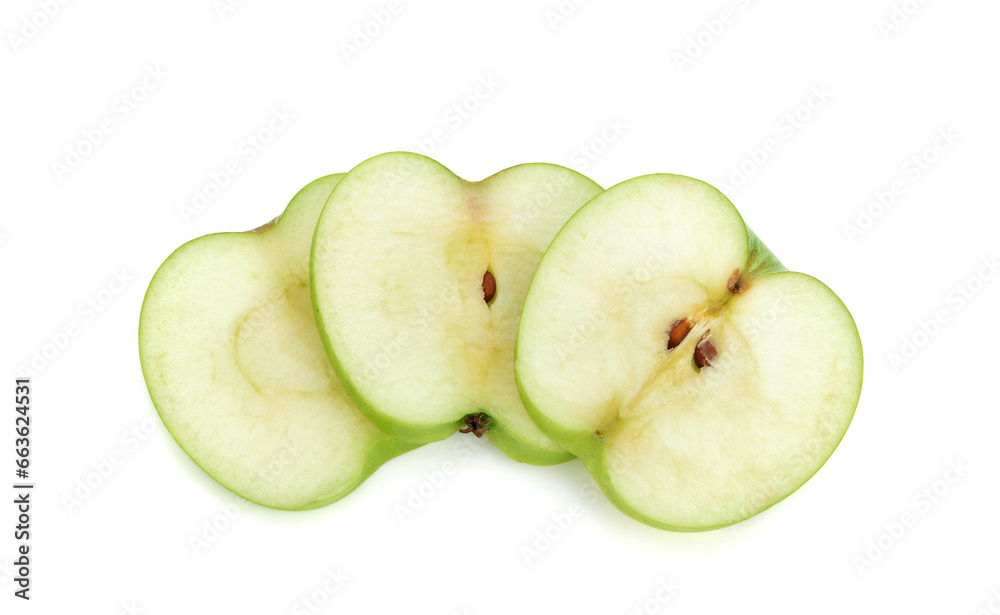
(522, 453)
(591, 451)
(381, 451)
(382, 448)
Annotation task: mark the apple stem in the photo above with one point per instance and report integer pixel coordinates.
(736, 283)
(739, 282)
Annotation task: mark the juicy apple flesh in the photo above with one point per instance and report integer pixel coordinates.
(419, 278)
(665, 345)
(235, 367)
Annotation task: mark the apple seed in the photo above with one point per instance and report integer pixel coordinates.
(678, 331)
(489, 286)
(476, 424)
(705, 352)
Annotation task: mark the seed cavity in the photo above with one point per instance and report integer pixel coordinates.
(736, 283)
(489, 286)
(678, 331)
(477, 424)
(705, 352)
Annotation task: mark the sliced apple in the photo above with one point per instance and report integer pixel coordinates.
(663, 344)
(418, 280)
(235, 367)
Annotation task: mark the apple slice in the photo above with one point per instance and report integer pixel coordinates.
(418, 280)
(235, 366)
(664, 345)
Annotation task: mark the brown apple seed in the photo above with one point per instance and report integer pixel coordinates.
(678, 331)
(705, 353)
(489, 286)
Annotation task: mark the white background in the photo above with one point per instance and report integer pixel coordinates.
(887, 94)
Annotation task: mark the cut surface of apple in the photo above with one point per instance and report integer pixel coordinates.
(662, 343)
(418, 281)
(234, 364)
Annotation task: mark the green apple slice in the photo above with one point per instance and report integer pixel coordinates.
(418, 280)
(236, 369)
(661, 342)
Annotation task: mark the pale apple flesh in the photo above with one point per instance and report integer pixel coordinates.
(235, 367)
(406, 257)
(665, 345)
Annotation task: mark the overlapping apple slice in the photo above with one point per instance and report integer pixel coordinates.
(418, 281)
(664, 345)
(234, 365)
